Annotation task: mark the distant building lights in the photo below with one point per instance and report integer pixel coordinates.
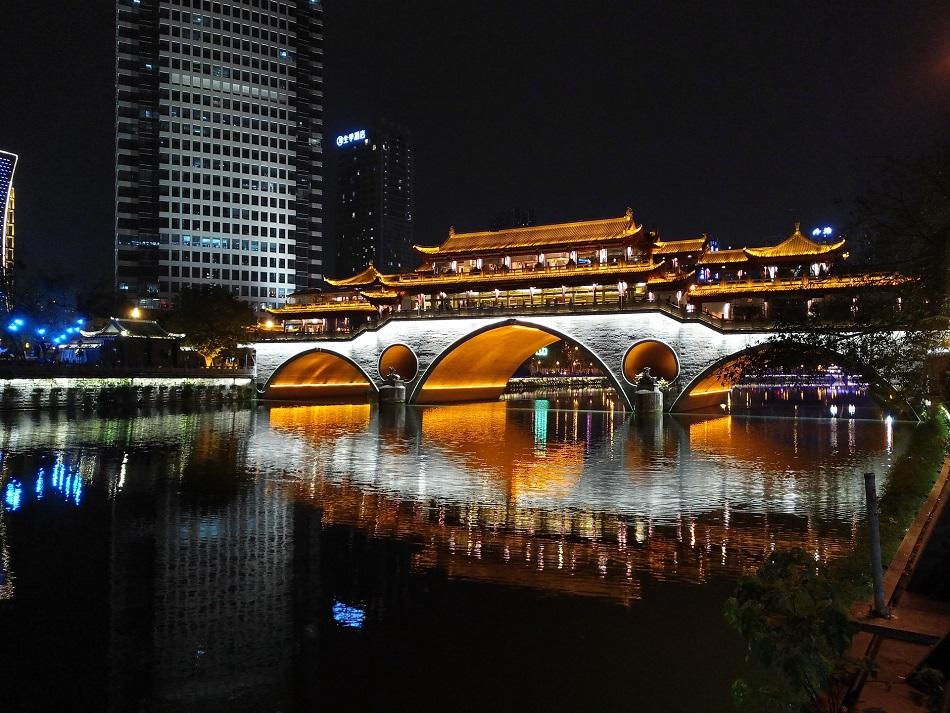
(18, 322)
(41, 331)
(824, 231)
(80, 322)
(12, 327)
(347, 616)
(136, 313)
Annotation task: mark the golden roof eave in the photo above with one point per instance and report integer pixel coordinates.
(327, 308)
(723, 257)
(577, 233)
(796, 245)
(801, 285)
(366, 277)
(678, 247)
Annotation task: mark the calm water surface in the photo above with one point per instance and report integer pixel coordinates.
(533, 555)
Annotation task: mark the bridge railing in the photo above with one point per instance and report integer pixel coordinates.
(631, 306)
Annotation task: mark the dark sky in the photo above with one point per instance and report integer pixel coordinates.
(735, 122)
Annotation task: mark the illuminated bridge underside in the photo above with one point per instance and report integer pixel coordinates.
(479, 368)
(319, 375)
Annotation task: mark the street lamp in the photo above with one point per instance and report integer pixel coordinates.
(136, 313)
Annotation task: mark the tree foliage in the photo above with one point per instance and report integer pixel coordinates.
(899, 227)
(796, 632)
(211, 319)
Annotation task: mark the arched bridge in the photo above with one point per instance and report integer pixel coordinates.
(454, 359)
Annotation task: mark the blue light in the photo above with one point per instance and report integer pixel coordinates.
(827, 230)
(12, 327)
(816, 232)
(41, 331)
(13, 496)
(80, 322)
(18, 321)
(350, 617)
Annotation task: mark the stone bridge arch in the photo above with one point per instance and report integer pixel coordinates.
(608, 336)
(709, 387)
(320, 374)
(479, 365)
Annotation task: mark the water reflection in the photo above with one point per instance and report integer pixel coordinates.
(227, 560)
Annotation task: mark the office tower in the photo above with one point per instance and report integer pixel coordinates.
(218, 148)
(7, 224)
(374, 204)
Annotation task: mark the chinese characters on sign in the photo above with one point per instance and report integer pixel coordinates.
(344, 139)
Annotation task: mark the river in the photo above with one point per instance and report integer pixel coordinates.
(547, 554)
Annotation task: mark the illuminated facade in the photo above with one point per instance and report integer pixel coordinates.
(598, 264)
(374, 205)
(218, 148)
(8, 163)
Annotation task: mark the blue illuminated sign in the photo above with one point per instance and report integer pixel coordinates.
(344, 139)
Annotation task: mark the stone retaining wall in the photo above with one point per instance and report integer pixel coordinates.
(96, 394)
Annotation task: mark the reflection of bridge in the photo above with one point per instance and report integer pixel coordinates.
(452, 359)
(542, 511)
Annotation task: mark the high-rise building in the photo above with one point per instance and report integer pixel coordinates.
(219, 116)
(7, 224)
(374, 205)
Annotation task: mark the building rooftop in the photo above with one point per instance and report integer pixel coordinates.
(132, 328)
(585, 232)
(795, 245)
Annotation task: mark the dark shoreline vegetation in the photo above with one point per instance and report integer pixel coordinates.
(794, 616)
(909, 482)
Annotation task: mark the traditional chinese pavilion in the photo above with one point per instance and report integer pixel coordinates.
(611, 262)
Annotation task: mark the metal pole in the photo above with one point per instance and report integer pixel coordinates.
(874, 531)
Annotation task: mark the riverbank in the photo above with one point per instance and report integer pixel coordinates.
(908, 484)
(902, 646)
(97, 393)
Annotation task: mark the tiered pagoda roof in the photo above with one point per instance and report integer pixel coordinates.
(795, 246)
(542, 237)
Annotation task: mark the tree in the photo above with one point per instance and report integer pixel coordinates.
(797, 634)
(900, 231)
(211, 319)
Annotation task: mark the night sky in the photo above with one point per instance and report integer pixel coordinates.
(700, 119)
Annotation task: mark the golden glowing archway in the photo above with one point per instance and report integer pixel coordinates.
(478, 366)
(652, 353)
(401, 358)
(318, 374)
(711, 386)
